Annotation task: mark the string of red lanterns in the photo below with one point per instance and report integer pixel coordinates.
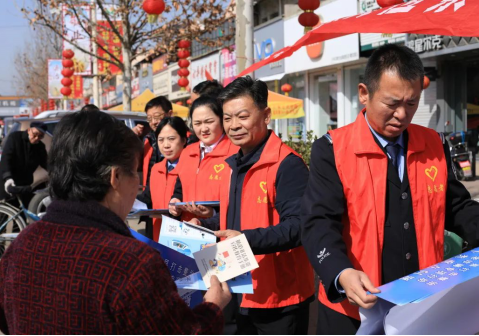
(153, 8)
(308, 19)
(183, 63)
(67, 72)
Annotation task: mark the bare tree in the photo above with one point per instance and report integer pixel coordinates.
(31, 63)
(182, 19)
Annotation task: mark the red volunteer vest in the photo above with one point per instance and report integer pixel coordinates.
(162, 186)
(283, 278)
(362, 169)
(147, 153)
(201, 181)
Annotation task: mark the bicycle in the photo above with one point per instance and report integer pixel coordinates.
(11, 219)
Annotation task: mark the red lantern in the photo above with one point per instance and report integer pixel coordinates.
(68, 53)
(183, 82)
(86, 100)
(51, 104)
(67, 63)
(184, 44)
(183, 63)
(72, 105)
(308, 5)
(66, 81)
(153, 8)
(67, 72)
(286, 88)
(183, 72)
(189, 101)
(387, 3)
(66, 91)
(427, 81)
(183, 54)
(308, 20)
(179, 103)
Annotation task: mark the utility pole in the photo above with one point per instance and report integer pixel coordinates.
(94, 32)
(244, 34)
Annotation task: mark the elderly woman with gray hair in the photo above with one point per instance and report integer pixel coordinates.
(79, 270)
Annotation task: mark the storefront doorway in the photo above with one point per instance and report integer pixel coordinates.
(324, 107)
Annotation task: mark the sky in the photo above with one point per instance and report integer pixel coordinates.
(14, 34)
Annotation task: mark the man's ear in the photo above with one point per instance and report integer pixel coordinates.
(170, 113)
(267, 115)
(115, 178)
(363, 94)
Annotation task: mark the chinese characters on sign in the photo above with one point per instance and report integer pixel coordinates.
(228, 65)
(109, 40)
(427, 43)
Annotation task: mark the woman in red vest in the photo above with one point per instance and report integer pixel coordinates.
(171, 135)
(203, 164)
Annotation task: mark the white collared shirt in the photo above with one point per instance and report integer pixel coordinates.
(208, 149)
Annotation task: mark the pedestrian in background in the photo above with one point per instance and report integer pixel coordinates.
(79, 270)
(22, 153)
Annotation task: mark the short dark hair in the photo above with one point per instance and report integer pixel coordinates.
(210, 102)
(176, 123)
(160, 101)
(246, 86)
(39, 126)
(210, 87)
(89, 108)
(86, 145)
(400, 59)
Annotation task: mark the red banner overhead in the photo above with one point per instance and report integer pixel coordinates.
(432, 17)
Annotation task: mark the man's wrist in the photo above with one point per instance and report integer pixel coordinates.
(338, 286)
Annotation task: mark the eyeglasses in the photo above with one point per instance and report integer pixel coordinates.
(37, 135)
(157, 118)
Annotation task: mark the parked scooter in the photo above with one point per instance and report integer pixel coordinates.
(460, 156)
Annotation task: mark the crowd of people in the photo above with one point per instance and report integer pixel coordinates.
(371, 208)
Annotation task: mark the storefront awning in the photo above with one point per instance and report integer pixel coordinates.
(431, 17)
(283, 107)
(138, 105)
(272, 77)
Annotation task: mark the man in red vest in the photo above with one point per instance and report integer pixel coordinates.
(380, 194)
(262, 199)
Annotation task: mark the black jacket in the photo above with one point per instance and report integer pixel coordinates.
(20, 158)
(323, 206)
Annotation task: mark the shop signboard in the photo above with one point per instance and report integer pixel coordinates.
(372, 40)
(200, 67)
(54, 78)
(146, 77)
(161, 84)
(135, 87)
(267, 40)
(74, 32)
(228, 65)
(336, 51)
(160, 64)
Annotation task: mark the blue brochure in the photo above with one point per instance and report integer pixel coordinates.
(179, 265)
(441, 299)
(240, 284)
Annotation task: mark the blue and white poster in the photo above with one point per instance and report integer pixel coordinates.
(441, 299)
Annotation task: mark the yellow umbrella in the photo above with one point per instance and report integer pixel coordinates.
(138, 105)
(283, 107)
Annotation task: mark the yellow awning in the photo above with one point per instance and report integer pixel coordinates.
(138, 105)
(283, 107)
